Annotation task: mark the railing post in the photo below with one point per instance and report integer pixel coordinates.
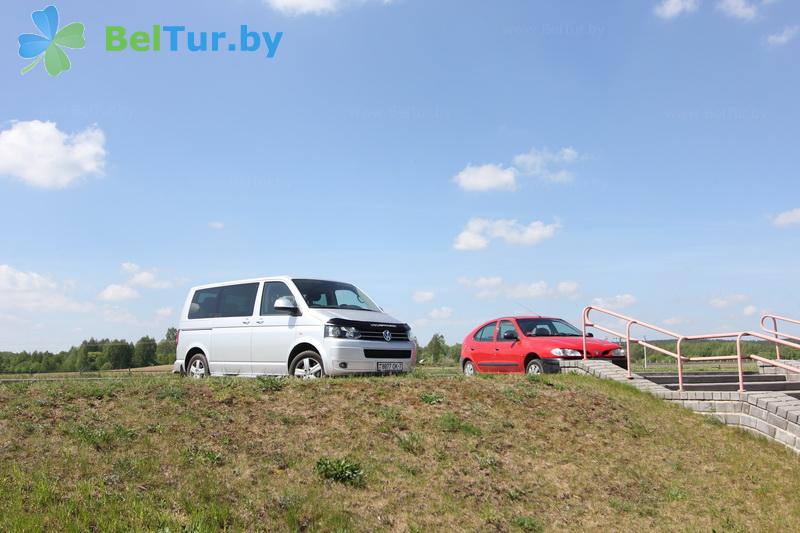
(680, 365)
(628, 348)
(777, 346)
(585, 320)
(739, 361)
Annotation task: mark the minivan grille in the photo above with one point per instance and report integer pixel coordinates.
(387, 354)
(373, 331)
(378, 336)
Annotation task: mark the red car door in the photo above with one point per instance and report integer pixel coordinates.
(507, 349)
(482, 352)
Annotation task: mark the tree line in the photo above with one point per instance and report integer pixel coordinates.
(109, 354)
(93, 355)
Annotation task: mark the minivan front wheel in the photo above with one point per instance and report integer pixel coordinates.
(307, 365)
(198, 366)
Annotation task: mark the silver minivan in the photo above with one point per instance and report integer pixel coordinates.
(306, 328)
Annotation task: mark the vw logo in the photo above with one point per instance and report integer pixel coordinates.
(387, 335)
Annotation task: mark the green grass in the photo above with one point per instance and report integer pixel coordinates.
(504, 453)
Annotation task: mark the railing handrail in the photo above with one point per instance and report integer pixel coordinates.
(775, 333)
(770, 335)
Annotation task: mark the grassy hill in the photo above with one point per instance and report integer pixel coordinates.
(396, 454)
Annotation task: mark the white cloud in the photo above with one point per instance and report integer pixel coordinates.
(539, 163)
(423, 296)
(41, 155)
(315, 7)
(165, 312)
(726, 301)
(441, 313)
(479, 231)
(486, 177)
(29, 291)
(131, 268)
(568, 288)
(782, 38)
(750, 310)
(615, 302)
(492, 287)
(536, 289)
(118, 293)
(488, 287)
(216, 225)
(147, 279)
(139, 278)
(787, 218)
(674, 321)
(668, 9)
(740, 9)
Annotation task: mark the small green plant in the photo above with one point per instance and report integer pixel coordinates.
(270, 383)
(431, 398)
(675, 494)
(195, 453)
(412, 443)
(515, 494)
(342, 471)
(637, 429)
(528, 524)
(451, 423)
(171, 391)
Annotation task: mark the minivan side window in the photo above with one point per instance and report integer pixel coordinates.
(486, 333)
(238, 300)
(205, 303)
(272, 291)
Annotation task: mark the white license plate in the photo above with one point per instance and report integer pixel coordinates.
(390, 367)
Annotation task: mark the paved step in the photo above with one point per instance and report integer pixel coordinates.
(781, 386)
(721, 377)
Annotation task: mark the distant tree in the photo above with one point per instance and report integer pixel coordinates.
(165, 352)
(455, 352)
(144, 353)
(119, 353)
(437, 349)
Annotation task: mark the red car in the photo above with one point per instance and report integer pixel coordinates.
(532, 345)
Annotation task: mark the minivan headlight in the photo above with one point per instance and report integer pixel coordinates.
(342, 332)
(619, 352)
(565, 352)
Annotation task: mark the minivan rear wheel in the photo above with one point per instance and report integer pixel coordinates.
(307, 365)
(198, 366)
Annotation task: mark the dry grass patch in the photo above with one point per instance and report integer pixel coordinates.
(379, 454)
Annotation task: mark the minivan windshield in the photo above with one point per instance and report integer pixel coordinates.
(320, 294)
(547, 327)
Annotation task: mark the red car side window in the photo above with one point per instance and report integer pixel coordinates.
(486, 333)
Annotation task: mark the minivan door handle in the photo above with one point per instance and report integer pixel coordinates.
(260, 321)
(246, 321)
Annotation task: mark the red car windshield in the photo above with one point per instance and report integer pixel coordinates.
(547, 327)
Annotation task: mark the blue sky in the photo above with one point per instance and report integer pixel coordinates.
(457, 160)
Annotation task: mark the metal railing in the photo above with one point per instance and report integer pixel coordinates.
(777, 334)
(777, 337)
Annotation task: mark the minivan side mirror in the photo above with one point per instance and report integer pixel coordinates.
(590, 334)
(287, 303)
(510, 335)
